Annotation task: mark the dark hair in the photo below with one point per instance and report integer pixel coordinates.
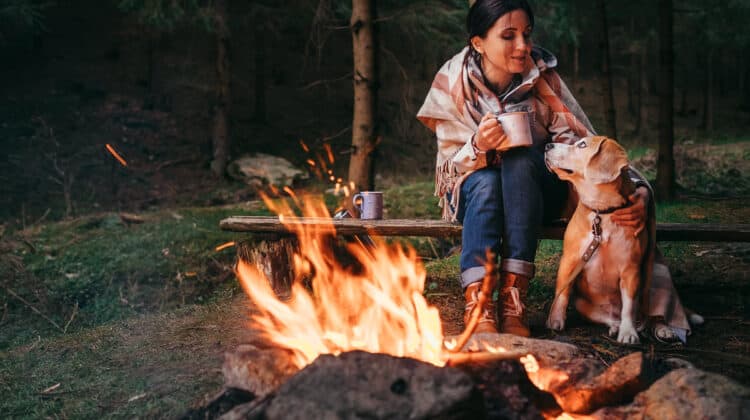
(484, 13)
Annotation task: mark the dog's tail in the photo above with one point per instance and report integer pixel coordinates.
(694, 318)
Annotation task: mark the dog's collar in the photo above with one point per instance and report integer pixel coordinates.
(609, 209)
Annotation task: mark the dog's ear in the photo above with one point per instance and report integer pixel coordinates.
(606, 163)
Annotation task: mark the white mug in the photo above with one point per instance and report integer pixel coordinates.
(369, 204)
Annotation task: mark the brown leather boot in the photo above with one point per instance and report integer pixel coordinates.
(487, 322)
(511, 308)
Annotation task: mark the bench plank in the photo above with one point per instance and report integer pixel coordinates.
(440, 228)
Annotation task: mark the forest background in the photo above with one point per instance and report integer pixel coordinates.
(113, 297)
(142, 76)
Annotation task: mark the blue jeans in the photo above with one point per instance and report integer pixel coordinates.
(502, 208)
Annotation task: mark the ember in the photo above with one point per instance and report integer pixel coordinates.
(116, 155)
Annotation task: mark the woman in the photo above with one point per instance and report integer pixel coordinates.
(502, 198)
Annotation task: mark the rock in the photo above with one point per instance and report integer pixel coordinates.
(686, 394)
(257, 370)
(507, 391)
(262, 169)
(376, 386)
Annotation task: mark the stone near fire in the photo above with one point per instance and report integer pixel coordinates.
(376, 386)
(507, 391)
(257, 370)
(686, 394)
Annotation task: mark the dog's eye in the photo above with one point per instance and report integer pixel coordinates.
(581, 144)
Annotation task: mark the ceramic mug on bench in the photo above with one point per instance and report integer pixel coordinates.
(369, 204)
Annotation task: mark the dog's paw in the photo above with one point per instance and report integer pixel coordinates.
(628, 336)
(556, 324)
(613, 330)
(696, 319)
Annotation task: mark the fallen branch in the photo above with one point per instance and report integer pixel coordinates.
(72, 316)
(326, 81)
(488, 285)
(25, 302)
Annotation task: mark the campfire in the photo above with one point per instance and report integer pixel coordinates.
(374, 303)
(356, 334)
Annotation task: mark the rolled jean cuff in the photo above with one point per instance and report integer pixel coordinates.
(472, 275)
(521, 267)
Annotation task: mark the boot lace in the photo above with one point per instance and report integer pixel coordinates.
(516, 308)
(487, 311)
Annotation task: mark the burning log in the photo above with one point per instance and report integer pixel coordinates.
(580, 385)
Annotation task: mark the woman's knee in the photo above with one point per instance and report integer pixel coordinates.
(482, 185)
(524, 160)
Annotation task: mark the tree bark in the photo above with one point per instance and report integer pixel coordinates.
(638, 93)
(365, 86)
(708, 94)
(220, 134)
(576, 66)
(607, 91)
(633, 74)
(665, 167)
(260, 69)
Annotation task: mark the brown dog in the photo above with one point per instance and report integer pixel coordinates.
(609, 266)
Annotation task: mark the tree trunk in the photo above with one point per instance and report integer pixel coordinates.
(576, 66)
(260, 69)
(708, 95)
(633, 82)
(741, 75)
(665, 169)
(633, 74)
(607, 92)
(220, 135)
(638, 93)
(363, 122)
(683, 102)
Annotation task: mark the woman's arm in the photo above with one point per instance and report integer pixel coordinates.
(454, 142)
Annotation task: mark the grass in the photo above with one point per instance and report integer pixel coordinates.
(152, 366)
(151, 307)
(105, 270)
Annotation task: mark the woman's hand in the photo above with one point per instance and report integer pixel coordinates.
(489, 134)
(634, 215)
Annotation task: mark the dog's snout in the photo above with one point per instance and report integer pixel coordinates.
(549, 146)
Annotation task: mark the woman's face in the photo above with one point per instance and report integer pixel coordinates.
(506, 47)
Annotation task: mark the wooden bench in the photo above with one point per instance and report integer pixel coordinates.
(686, 232)
(273, 253)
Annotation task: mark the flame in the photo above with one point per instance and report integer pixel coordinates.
(375, 304)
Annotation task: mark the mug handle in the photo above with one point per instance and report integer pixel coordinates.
(356, 197)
